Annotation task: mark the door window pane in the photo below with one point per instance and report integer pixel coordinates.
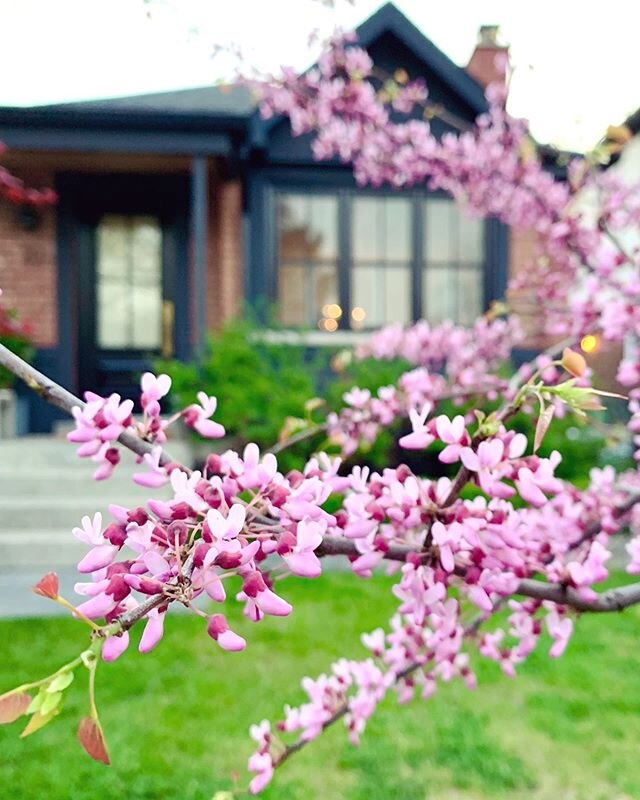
(307, 259)
(129, 283)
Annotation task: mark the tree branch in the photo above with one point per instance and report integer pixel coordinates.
(56, 395)
(612, 600)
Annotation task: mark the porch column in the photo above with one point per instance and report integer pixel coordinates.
(199, 215)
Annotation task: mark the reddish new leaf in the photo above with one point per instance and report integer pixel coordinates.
(544, 420)
(92, 740)
(47, 586)
(12, 706)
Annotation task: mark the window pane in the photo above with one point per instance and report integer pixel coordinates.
(146, 320)
(440, 230)
(113, 306)
(366, 229)
(324, 293)
(367, 288)
(439, 290)
(304, 291)
(397, 229)
(323, 227)
(129, 283)
(307, 254)
(308, 227)
(398, 294)
(291, 295)
(292, 213)
(380, 295)
(471, 239)
(471, 292)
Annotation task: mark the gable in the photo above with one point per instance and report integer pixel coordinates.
(393, 42)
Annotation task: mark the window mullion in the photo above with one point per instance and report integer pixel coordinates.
(345, 262)
(417, 255)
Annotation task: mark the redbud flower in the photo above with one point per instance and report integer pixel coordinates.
(218, 629)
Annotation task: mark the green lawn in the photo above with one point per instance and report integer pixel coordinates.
(177, 719)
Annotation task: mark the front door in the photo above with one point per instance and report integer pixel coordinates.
(132, 290)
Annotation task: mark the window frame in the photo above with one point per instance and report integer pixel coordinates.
(262, 276)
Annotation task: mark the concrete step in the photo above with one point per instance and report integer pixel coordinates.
(44, 513)
(45, 550)
(64, 482)
(35, 451)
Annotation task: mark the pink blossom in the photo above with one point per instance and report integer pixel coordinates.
(454, 435)
(153, 631)
(302, 560)
(218, 629)
(421, 437)
(197, 417)
(115, 646)
(157, 475)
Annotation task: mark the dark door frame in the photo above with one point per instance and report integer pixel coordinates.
(82, 196)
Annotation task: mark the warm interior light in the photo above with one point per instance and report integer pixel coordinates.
(329, 325)
(332, 311)
(358, 314)
(589, 343)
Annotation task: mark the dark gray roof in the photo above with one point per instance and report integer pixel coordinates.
(203, 100)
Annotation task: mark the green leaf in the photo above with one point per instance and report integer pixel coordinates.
(50, 702)
(36, 703)
(60, 683)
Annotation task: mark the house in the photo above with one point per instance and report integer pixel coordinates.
(175, 208)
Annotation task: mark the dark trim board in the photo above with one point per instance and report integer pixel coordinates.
(40, 416)
(154, 142)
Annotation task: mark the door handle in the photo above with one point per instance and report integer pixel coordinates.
(168, 319)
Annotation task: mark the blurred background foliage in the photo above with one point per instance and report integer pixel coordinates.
(262, 386)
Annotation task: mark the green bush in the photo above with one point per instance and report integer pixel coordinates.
(16, 335)
(258, 384)
(261, 385)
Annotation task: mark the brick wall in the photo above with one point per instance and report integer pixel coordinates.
(522, 253)
(224, 252)
(28, 264)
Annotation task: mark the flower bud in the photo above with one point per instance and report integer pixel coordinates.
(573, 362)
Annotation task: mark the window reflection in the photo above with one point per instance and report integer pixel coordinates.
(129, 282)
(381, 259)
(308, 251)
(453, 268)
(381, 270)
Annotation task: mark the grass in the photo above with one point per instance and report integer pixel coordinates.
(177, 719)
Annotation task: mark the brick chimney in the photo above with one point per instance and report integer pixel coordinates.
(482, 66)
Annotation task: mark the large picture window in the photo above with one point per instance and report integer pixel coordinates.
(355, 260)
